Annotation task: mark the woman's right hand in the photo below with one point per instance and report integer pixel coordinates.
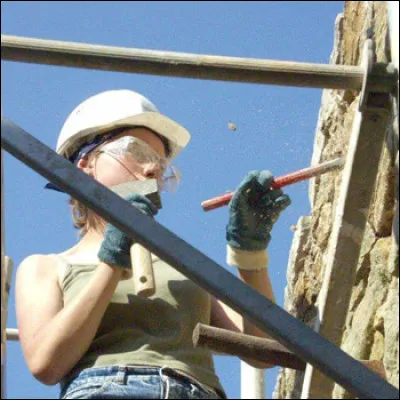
(115, 249)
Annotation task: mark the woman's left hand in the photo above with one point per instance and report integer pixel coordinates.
(253, 211)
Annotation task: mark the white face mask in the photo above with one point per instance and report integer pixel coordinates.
(142, 153)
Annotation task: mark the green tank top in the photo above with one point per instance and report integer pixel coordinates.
(153, 332)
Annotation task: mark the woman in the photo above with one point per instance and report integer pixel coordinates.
(80, 323)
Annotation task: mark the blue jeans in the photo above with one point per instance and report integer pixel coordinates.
(122, 382)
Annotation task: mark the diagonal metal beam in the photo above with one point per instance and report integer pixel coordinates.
(287, 330)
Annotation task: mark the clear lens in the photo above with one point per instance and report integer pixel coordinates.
(171, 179)
(131, 147)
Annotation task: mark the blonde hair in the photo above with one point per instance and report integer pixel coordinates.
(80, 216)
(83, 218)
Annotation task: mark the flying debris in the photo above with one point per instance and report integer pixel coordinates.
(232, 126)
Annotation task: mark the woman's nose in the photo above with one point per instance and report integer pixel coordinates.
(152, 171)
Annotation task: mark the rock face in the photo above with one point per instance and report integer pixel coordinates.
(372, 327)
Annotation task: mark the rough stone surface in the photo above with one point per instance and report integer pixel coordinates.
(296, 302)
(382, 216)
(391, 333)
(372, 326)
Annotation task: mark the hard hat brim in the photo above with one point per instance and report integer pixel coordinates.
(177, 136)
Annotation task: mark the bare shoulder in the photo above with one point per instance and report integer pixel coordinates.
(38, 267)
(38, 297)
(37, 293)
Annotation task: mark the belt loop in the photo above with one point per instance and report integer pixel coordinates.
(122, 375)
(164, 378)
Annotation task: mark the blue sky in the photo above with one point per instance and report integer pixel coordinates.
(275, 125)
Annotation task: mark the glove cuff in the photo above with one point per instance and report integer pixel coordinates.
(111, 257)
(247, 260)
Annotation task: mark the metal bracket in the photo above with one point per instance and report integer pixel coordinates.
(378, 77)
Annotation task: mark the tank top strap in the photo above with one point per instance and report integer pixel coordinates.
(63, 268)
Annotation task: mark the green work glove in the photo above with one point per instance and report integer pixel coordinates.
(254, 209)
(115, 249)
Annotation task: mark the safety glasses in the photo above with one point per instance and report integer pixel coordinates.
(130, 150)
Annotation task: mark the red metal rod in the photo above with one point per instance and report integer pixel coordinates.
(281, 181)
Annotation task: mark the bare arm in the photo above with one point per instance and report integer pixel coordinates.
(54, 337)
(261, 282)
(224, 317)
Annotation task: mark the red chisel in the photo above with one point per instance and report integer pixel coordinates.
(281, 181)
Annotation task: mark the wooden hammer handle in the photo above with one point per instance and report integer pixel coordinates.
(143, 274)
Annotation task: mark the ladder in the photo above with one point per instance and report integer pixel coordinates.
(317, 347)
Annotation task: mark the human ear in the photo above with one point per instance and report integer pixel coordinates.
(85, 166)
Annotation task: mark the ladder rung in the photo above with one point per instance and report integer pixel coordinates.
(12, 335)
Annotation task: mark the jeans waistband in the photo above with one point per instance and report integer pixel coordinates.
(120, 374)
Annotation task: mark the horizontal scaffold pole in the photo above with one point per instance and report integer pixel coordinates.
(185, 65)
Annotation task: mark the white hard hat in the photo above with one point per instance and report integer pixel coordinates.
(112, 109)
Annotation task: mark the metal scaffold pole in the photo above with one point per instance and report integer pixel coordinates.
(186, 65)
(3, 287)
